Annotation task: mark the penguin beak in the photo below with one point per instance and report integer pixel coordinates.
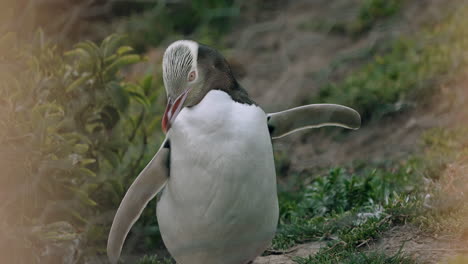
(172, 110)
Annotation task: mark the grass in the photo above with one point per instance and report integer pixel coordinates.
(372, 11)
(342, 201)
(369, 13)
(203, 20)
(154, 260)
(358, 258)
(350, 210)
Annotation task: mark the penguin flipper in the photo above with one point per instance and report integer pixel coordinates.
(289, 121)
(145, 187)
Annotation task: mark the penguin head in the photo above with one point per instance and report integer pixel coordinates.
(190, 71)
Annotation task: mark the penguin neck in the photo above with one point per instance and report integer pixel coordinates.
(237, 93)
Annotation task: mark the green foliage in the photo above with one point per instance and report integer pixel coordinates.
(75, 129)
(340, 192)
(356, 257)
(370, 12)
(351, 233)
(205, 19)
(380, 86)
(154, 260)
(341, 203)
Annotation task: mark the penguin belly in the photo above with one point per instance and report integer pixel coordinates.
(220, 203)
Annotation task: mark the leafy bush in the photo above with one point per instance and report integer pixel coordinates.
(73, 134)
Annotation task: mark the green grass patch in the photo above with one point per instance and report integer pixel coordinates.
(369, 13)
(154, 259)
(356, 257)
(352, 206)
(205, 21)
(372, 11)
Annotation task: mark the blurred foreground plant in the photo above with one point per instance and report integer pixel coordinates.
(73, 134)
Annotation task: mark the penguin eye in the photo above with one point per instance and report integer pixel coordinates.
(192, 76)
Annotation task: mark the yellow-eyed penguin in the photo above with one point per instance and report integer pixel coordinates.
(215, 168)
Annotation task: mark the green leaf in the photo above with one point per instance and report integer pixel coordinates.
(119, 95)
(94, 127)
(110, 59)
(81, 148)
(85, 162)
(117, 186)
(87, 172)
(131, 87)
(90, 48)
(110, 44)
(111, 156)
(79, 53)
(77, 215)
(140, 98)
(109, 116)
(146, 83)
(78, 82)
(124, 50)
(119, 63)
(83, 196)
(73, 137)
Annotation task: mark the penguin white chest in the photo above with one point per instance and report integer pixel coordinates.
(220, 203)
